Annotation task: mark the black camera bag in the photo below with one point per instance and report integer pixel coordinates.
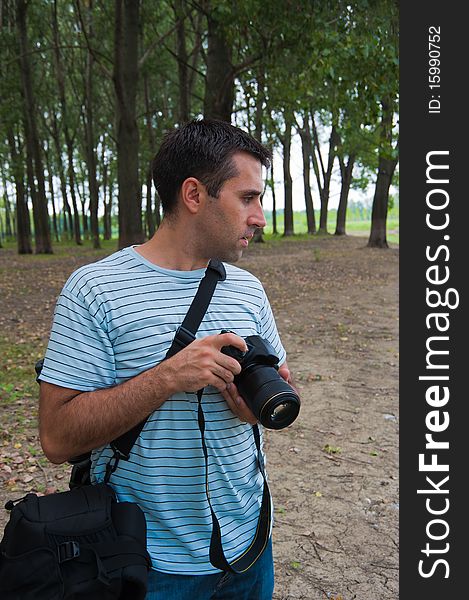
(83, 544)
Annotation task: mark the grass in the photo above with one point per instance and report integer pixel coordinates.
(18, 408)
(23, 466)
(17, 375)
(355, 224)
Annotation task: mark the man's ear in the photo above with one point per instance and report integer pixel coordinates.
(192, 194)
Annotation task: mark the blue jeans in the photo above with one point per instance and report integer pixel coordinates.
(255, 584)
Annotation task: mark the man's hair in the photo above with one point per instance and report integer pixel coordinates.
(202, 149)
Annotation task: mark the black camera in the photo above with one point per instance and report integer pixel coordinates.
(271, 399)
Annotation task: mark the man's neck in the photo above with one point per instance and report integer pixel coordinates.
(170, 248)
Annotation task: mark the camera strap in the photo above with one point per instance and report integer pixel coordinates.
(257, 546)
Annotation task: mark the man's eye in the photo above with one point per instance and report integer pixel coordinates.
(248, 199)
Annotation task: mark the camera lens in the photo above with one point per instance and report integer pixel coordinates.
(272, 400)
(279, 412)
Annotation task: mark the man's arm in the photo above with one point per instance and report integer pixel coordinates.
(72, 422)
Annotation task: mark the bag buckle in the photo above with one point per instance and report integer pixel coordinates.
(68, 551)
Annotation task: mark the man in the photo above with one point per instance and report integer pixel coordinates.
(104, 371)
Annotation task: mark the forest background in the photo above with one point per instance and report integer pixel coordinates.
(87, 90)
(89, 87)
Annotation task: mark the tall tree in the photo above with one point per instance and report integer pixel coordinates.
(287, 178)
(258, 124)
(307, 151)
(42, 238)
(386, 56)
(219, 79)
(9, 219)
(274, 200)
(323, 170)
(346, 170)
(68, 135)
(126, 71)
(11, 115)
(149, 216)
(386, 166)
(51, 192)
(68, 226)
(180, 8)
(90, 136)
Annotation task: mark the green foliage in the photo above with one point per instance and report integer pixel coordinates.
(336, 61)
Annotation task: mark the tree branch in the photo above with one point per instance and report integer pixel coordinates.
(317, 147)
(157, 42)
(91, 50)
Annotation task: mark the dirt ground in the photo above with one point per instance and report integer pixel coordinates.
(334, 471)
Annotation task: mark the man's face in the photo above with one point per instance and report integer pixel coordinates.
(228, 222)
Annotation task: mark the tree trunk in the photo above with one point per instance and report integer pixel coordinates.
(104, 168)
(386, 167)
(59, 70)
(127, 17)
(379, 211)
(84, 213)
(274, 202)
(52, 196)
(90, 140)
(42, 236)
(219, 80)
(72, 188)
(306, 147)
(149, 216)
(157, 210)
(346, 174)
(258, 121)
(23, 223)
(324, 174)
(184, 90)
(288, 182)
(107, 222)
(54, 212)
(67, 211)
(199, 32)
(9, 230)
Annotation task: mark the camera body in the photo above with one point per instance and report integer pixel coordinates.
(271, 399)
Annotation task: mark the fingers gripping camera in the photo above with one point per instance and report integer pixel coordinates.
(272, 400)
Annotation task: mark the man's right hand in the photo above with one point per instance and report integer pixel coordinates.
(202, 363)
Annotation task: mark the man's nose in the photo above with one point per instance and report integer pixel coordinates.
(257, 218)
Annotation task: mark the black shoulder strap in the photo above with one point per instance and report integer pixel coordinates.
(185, 334)
(257, 546)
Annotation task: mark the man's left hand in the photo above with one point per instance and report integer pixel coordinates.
(237, 405)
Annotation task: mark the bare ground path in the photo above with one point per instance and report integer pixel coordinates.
(334, 472)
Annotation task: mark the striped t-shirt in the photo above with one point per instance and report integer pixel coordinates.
(115, 319)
